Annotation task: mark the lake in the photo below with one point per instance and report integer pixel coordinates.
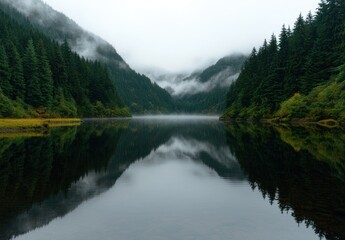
(173, 177)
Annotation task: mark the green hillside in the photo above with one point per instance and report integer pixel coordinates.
(298, 77)
(136, 91)
(41, 78)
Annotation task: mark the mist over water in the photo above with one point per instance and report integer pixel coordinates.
(176, 117)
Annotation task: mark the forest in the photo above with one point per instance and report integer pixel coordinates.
(299, 76)
(42, 78)
(135, 90)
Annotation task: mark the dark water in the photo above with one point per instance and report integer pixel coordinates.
(186, 178)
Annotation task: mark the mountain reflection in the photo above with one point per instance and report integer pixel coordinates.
(302, 168)
(46, 177)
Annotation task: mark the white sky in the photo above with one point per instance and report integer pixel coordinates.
(182, 35)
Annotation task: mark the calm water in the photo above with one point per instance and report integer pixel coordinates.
(173, 178)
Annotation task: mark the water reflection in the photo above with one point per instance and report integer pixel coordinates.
(43, 178)
(162, 178)
(172, 189)
(302, 168)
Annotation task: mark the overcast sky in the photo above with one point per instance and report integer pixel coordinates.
(182, 35)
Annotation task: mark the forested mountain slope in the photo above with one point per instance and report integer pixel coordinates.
(41, 78)
(300, 76)
(136, 90)
(212, 84)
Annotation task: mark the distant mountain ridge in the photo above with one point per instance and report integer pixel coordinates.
(203, 91)
(136, 90)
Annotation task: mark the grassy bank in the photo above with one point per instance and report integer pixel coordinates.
(35, 124)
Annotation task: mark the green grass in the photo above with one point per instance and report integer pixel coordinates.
(36, 123)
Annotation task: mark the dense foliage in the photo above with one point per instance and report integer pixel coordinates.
(139, 93)
(136, 91)
(299, 76)
(41, 78)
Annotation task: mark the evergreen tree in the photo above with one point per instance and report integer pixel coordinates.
(271, 84)
(31, 75)
(304, 78)
(5, 85)
(17, 74)
(58, 68)
(43, 73)
(45, 76)
(73, 79)
(297, 56)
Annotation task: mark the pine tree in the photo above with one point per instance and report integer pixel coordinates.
(73, 76)
(271, 86)
(17, 75)
(282, 60)
(58, 67)
(309, 55)
(42, 72)
(325, 54)
(31, 75)
(45, 76)
(283, 47)
(5, 85)
(297, 56)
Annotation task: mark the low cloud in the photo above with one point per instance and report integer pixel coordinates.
(182, 85)
(81, 41)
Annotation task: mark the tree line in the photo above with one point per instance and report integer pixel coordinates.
(298, 75)
(42, 78)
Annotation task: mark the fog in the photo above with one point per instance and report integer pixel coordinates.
(81, 41)
(179, 85)
(169, 41)
(182, 35)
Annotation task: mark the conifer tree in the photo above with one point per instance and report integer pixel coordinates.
(284, 82)
(42, 72)
(5, 85)
(271, 85)
(59, 71)
(297, 56)
(45, 76)
(283, 47)
(17, 74)
(31, 76)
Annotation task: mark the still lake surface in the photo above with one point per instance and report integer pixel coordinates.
(173, 178)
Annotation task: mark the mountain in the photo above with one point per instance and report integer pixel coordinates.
(203, 91)
(300, 76)
(41, 78)
(213, 84)
(136, 90)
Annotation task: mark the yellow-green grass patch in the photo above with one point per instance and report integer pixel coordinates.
(36, 123)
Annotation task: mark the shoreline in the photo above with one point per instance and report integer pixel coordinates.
(326, 123)
(25, 125)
